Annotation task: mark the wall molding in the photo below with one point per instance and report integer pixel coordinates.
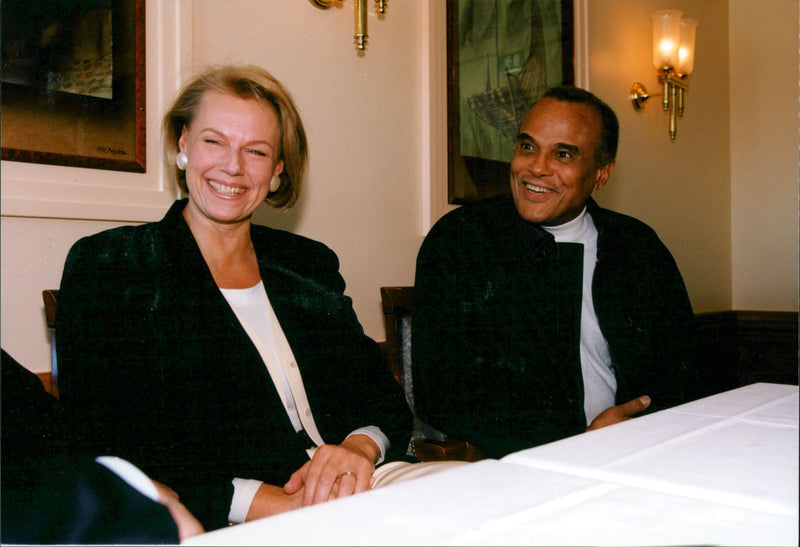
(49, 191)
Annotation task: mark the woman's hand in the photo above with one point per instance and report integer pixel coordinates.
(336, 471)
(271, 500)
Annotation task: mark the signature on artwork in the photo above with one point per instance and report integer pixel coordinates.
(111, 151)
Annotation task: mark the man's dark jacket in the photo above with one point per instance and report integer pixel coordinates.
(149, 347)
(495, 359)
(53, 492)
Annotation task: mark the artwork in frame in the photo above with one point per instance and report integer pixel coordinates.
(501, 56)
(73, 83)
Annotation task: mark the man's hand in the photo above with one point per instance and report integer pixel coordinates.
(188, 525)
(620, 413)
(336, 471)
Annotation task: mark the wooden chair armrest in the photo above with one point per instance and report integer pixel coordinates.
(432, 450)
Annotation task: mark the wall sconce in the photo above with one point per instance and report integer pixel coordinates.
(673, 57)
(361, 17)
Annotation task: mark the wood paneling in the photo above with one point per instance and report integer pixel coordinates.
(737, 348)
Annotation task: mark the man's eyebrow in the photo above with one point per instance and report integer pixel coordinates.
(573, 149)
(568, 147)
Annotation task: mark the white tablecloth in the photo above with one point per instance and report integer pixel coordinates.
(721, 470)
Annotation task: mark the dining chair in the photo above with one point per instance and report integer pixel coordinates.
(427, 443)
(50, 297)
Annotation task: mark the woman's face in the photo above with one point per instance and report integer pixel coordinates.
(232, 146)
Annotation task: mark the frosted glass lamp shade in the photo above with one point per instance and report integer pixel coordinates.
(686, 52)
(666, 38)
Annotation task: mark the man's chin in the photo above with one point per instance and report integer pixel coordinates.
(536, 214)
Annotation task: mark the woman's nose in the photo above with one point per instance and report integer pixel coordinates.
(232, 163)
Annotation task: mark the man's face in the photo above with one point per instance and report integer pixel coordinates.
(553, 170)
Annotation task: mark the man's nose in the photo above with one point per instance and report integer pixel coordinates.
(540, 165)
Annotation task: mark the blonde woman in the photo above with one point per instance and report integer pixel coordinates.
(222, 357)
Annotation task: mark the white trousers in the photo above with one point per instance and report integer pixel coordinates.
(396, 472)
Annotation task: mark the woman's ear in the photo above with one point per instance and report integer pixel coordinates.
(182, 140)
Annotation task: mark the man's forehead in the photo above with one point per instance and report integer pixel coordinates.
(561, 123)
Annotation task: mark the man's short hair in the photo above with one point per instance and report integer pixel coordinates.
(609, 134)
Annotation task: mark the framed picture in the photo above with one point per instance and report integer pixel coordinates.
(73, 83)
(501, 56)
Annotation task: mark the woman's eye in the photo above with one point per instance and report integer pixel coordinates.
(211, 141)
(258, 153)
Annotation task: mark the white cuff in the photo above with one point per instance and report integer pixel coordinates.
(244, 490)
(375, 433)
(131, 474)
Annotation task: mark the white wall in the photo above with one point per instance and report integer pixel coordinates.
(377, 146)
(764, 154)
(724, 195)
(681, 187)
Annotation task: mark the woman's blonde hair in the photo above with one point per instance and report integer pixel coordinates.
(245, 82)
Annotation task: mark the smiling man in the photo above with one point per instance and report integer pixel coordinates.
(539, 315)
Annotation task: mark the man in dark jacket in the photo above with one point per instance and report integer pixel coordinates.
(56, 491)
(539, 313)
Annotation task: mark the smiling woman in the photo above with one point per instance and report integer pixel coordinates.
(232, 332)
(263, 93)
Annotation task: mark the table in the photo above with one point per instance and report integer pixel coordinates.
(720, 470)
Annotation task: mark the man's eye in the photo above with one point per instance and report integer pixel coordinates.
(525, 146)
(564, 155)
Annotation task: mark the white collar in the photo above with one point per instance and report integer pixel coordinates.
(578, 230)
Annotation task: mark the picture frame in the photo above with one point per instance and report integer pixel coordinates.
(73, 84)
(501, 56)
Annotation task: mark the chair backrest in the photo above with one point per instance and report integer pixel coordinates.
(397, 314)
(397, 310)
(50, 297)
(427, 442)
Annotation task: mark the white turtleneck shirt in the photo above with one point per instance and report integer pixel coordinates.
(599, 380)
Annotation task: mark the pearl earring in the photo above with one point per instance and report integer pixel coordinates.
(275, 183)
(181, 161)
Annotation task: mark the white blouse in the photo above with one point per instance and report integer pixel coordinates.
(255, 313)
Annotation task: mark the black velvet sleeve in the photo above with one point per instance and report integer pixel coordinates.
(54, 494)
(646, 316)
